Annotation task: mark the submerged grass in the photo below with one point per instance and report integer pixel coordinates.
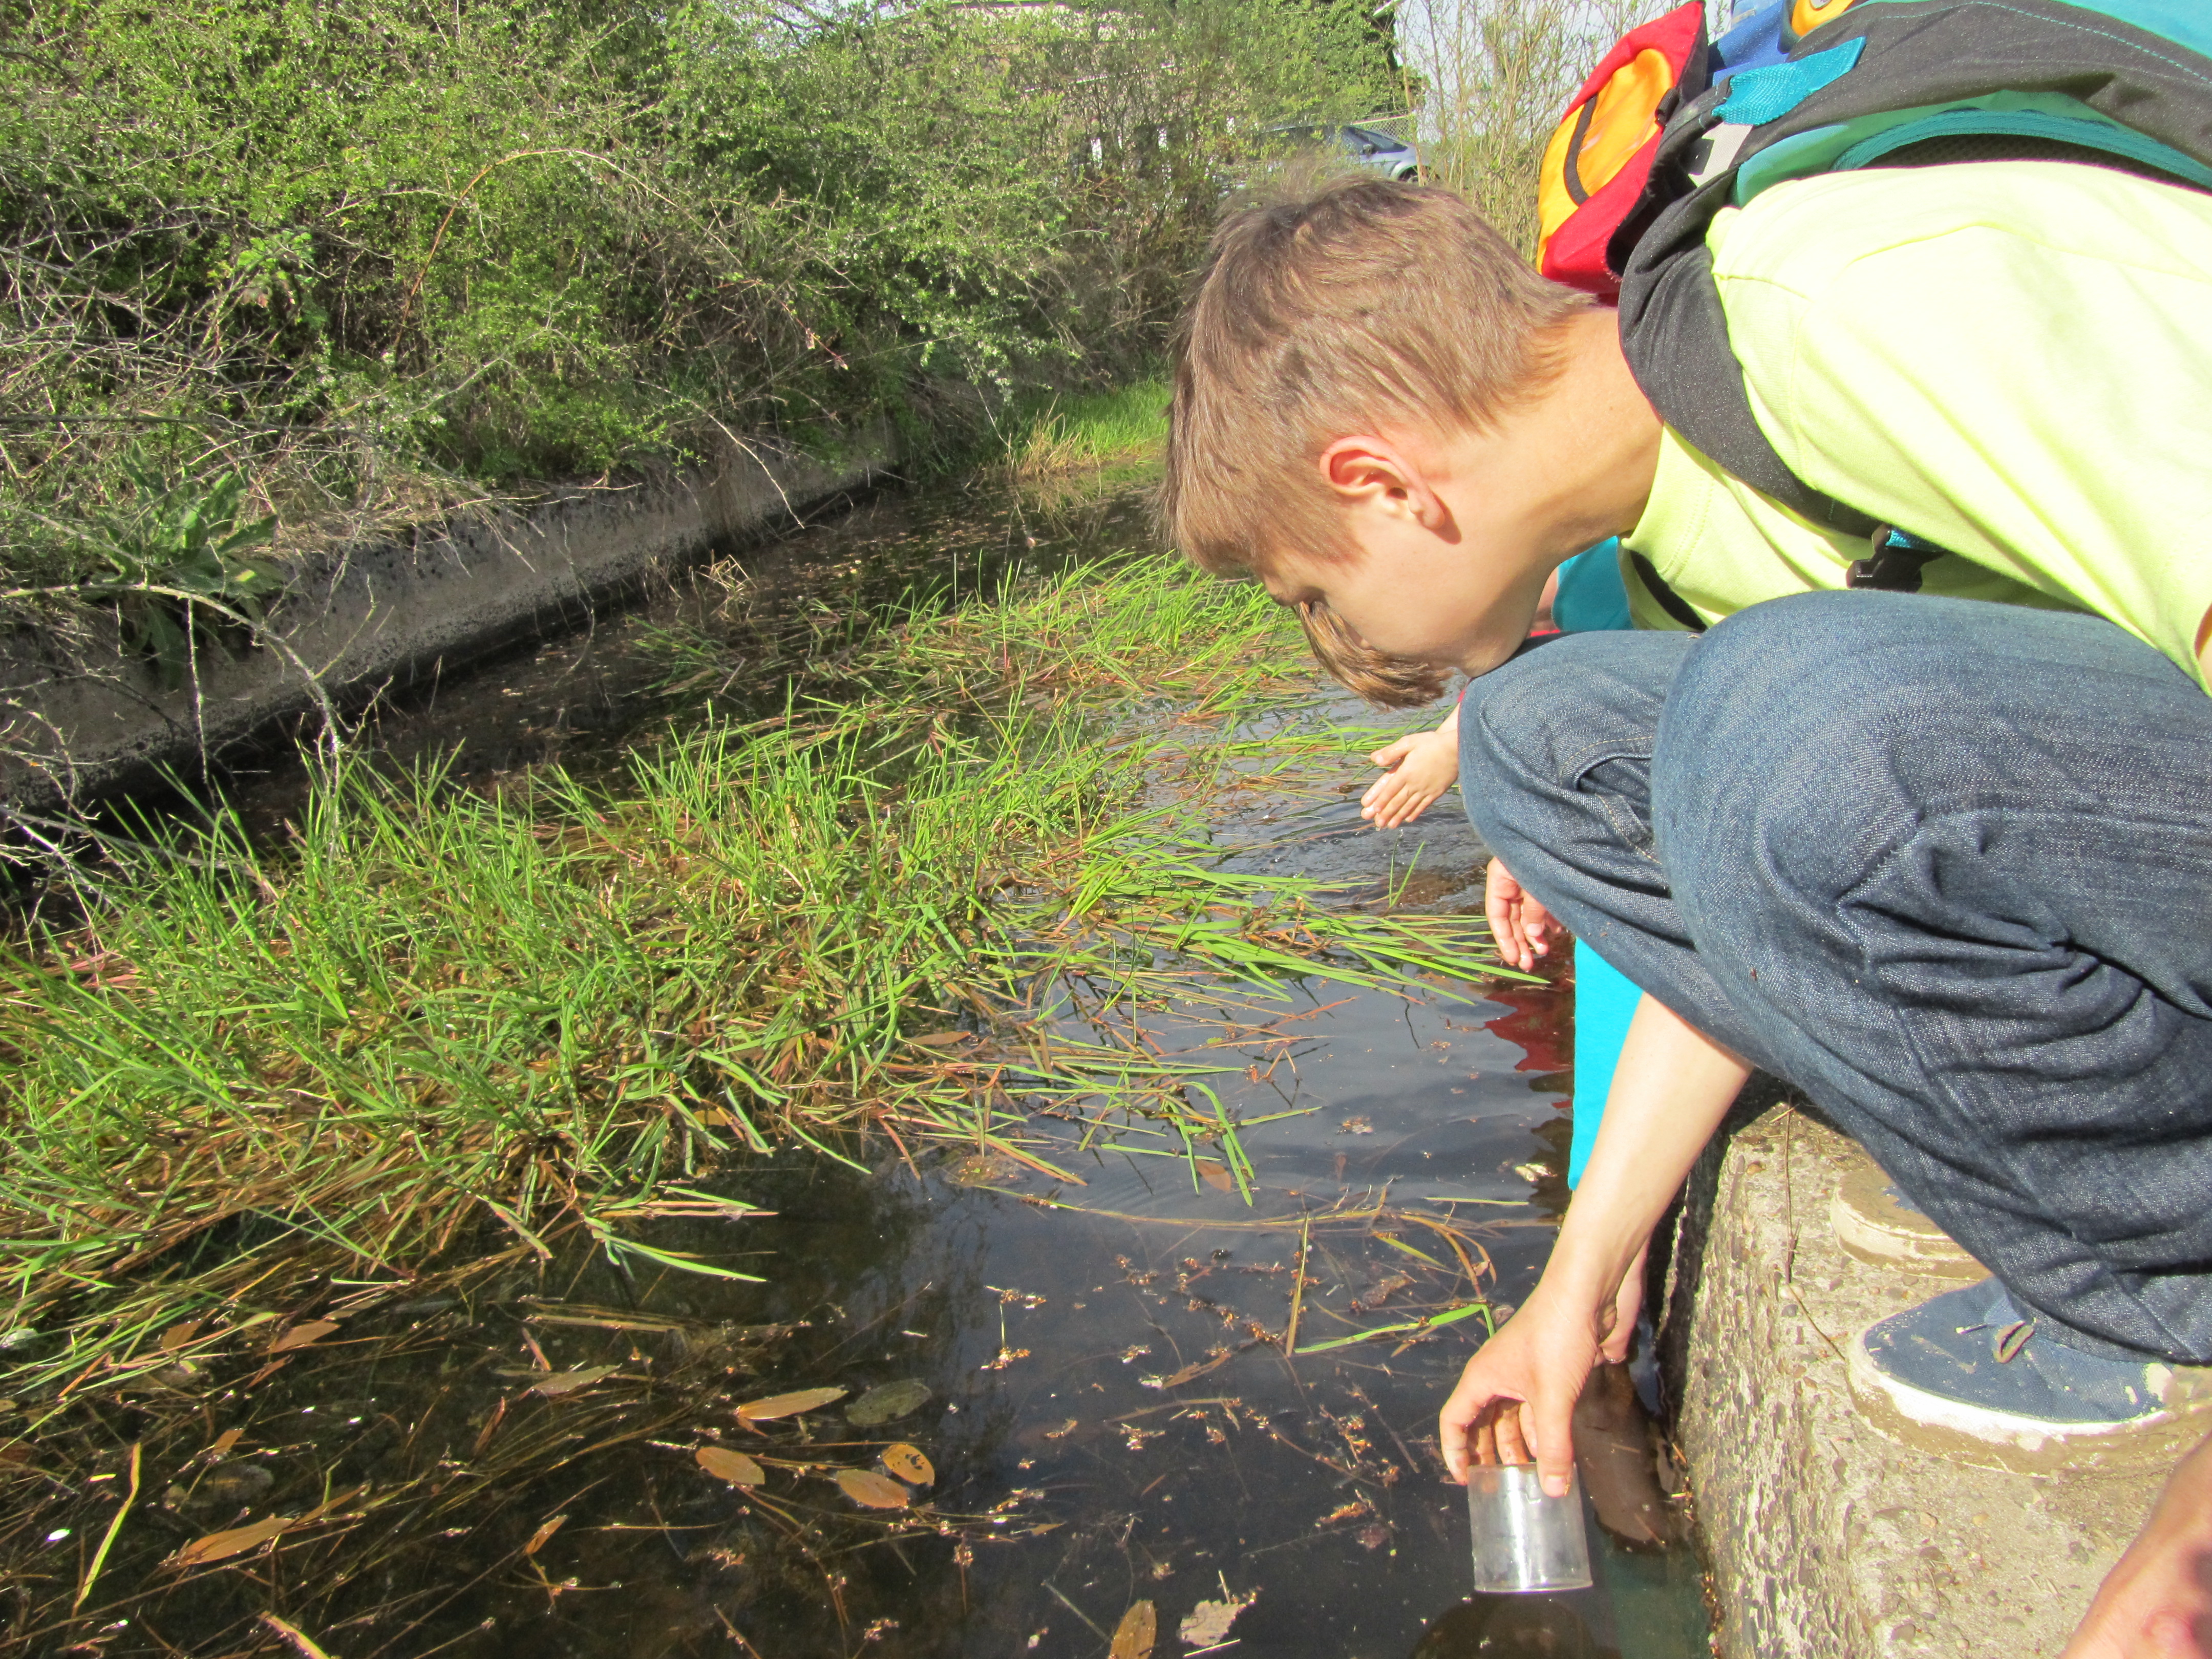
(253, 1071)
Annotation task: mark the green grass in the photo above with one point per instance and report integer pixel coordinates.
(1091, 429)
(560, 1009)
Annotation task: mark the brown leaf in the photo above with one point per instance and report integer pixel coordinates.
(787, 1405)
(1134, 1636)
(876, 1491)
(223, 1443)
(300, 1335)
(177, 1335)
(733, 1467)
(302, 1644)
(1209, 1621)
(1215, 1175)
(222, 1546)
(537, 1539)
(942, 1039)
(562, 1382)
(908, 1464)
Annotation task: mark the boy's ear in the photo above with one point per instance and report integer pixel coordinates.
(1375, 473)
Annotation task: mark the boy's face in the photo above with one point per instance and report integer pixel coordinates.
(1452, 534)
(1411, 594)
(1448, 552)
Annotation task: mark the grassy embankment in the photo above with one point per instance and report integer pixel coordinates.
(434, 1012)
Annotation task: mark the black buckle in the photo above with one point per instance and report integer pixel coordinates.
(1894, 567)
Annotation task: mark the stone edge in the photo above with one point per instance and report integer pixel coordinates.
(86, 721)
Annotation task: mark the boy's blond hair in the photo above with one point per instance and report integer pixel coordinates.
(1372, 304)
(1389, 681)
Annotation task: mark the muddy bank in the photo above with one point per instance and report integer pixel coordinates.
(89, 719)
(1827, 1540)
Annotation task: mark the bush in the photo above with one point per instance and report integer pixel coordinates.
(381, 258)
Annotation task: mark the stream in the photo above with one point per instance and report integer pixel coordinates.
(1090, 1373)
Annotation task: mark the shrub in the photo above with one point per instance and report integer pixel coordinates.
(382, 256)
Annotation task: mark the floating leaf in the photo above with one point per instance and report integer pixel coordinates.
(733, 1467)
(177, 1335)
(884, 1405)
(908, 1464)
(1134, 1636)
(562, 1382)
(875, 1491)
(1215, 1175)
(222, 1546)
(223, 1443)
(942, 1039)
(1209, 1621)
(787, 1405)
(300, 1335)
(537, 1539)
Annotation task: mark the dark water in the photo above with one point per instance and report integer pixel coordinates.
(1110, 1416)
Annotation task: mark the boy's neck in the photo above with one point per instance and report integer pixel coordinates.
(1595, 434)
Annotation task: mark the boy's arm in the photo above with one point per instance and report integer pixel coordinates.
(1671, 1089)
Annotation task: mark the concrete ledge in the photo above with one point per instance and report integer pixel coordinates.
(90, 720)
(1827, 1540)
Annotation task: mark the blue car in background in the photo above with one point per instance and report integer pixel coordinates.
(1365, 146)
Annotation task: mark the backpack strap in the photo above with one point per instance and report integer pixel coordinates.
(1676, 340)
(1668, 601)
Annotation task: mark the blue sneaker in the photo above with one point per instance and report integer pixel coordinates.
(1968, 1375)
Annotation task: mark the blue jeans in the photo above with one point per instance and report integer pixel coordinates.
(1946, 866)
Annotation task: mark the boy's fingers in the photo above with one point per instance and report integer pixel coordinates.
(1509, 1433)
(1455, 1434)
(1550, 1417)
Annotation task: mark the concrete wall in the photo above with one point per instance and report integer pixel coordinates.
(83, 718)
(1827, 1540)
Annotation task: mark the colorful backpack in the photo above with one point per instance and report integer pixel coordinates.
(1803, 87)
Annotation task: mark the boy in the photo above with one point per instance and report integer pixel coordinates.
(1940, 860)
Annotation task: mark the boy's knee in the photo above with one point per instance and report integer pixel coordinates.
(1536, 728)
(1549, 716)
(1796, 751)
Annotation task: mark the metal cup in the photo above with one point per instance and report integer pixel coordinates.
(1524, 1542)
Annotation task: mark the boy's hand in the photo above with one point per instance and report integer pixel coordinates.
(1518, 920)
(2156, 1603)
(1416, 768)
(1515, 1400)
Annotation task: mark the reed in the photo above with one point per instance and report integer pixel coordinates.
(252, 1068)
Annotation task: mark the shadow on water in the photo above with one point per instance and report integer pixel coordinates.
(1138, 1389)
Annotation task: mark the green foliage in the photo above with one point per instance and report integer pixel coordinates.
(378, 255)
(175, 565)
(1128, 425)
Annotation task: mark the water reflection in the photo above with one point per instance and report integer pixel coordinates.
(1505, 1626)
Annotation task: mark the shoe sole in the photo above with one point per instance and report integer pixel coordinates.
(1987, 1439)
(1919, 1250)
